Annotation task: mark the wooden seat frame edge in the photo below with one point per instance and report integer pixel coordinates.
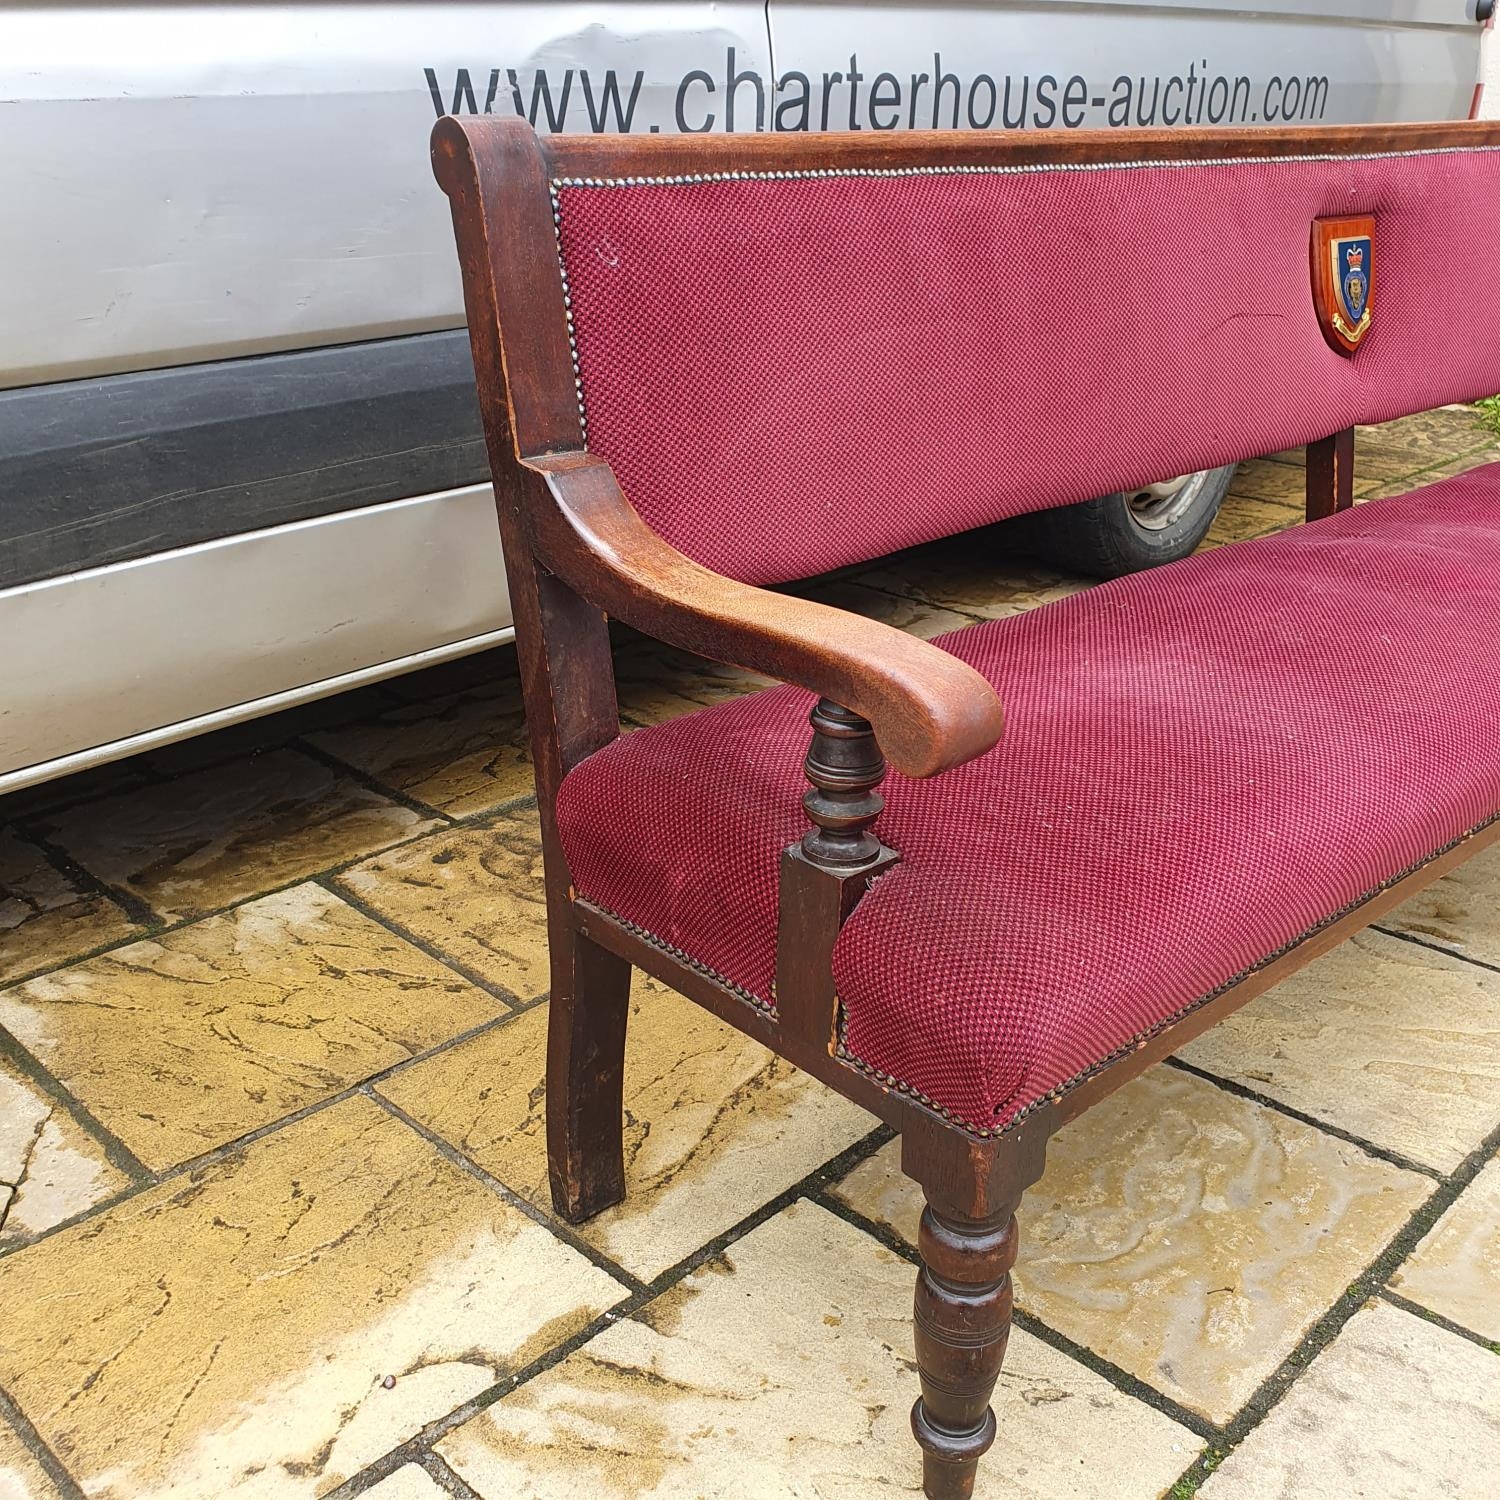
(576, 551)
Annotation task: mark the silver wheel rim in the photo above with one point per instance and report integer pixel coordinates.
(1155, 507)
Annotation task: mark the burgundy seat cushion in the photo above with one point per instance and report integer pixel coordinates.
(1201, 764)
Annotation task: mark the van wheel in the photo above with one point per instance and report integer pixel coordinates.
(1127, 531)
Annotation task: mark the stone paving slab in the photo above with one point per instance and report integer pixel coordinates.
(967, 578)
(192, 846)
(1455, 1271)
(715, 1127)
(654, 682)
(1244, 517)
(460, 754)
(783, 1368)
(50, 1166)
(475, 893)
(47, 917)
(1394, 1409)
(900, 611)
(1187, 1235)
(1283, 485)
(228, 1333)
(1390, 1040)
(254, 737)
(21, 1476)
(186, 1042)
(408, 1483)
(1460, 912)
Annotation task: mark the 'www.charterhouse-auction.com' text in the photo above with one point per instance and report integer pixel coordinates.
(850, 98)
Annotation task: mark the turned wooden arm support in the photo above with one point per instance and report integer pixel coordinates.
(880, 691)
(929, 710)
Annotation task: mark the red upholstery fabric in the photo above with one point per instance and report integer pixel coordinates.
(789, 376)
(1201, 763)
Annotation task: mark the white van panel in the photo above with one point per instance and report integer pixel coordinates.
(1031, 66)
(192, 182)
(286, 614)
(1489, 76)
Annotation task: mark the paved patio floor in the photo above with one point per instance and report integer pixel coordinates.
(273, 1218)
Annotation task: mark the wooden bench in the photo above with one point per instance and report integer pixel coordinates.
(711, 364)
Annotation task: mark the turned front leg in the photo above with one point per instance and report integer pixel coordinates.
(963, 1313)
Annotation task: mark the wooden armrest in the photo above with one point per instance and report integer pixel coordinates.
(929, 710)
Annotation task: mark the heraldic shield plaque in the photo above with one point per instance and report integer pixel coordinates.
(1343, 277)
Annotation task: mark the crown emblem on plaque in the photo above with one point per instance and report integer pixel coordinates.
(1343, 278)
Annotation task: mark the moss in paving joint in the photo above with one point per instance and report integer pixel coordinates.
(1203, 1466)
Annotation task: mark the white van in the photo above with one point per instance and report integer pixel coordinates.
(240, 464)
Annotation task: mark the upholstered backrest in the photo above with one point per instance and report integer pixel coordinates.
(794, 370)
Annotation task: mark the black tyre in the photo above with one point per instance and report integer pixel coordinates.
(1125, 532)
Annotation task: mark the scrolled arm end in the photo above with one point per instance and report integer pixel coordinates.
(929, 710)
(936, 714)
